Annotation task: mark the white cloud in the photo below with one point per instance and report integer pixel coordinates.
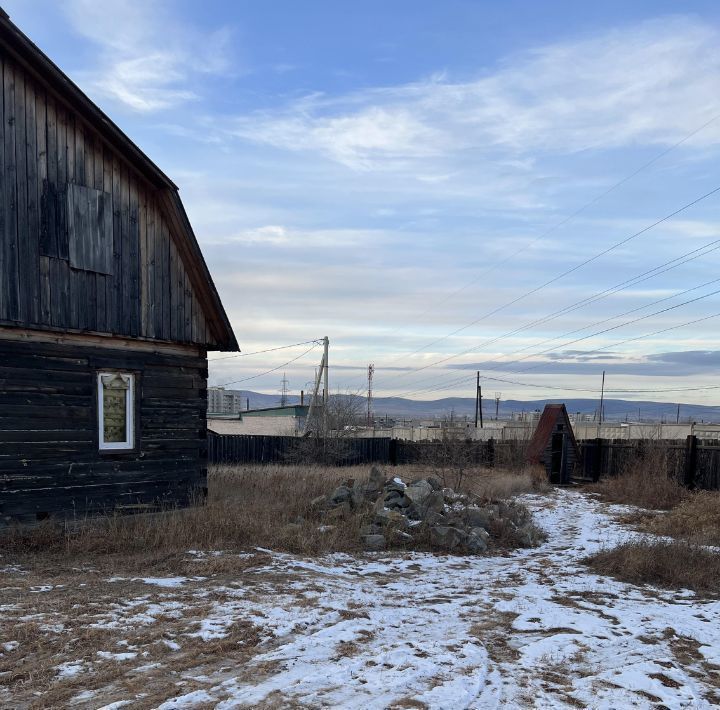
(646, 84)
(147, 61)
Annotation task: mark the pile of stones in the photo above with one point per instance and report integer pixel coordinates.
(395, 512)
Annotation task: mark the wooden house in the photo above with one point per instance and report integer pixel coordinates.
(553, 444)
(107, 309)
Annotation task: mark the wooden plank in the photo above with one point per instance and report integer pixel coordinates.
(127, 306)
(166, 282)
(118, 276)
(179, 291)
(26, 278)
(187, 308)
(41, 189)
(32, 241)
(172, 293)
(133, 237)
(143, 262)
(62, 178)
(10, 282)
(4, 265)
(152, 271)
(111, 320)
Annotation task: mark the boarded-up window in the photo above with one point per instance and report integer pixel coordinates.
(90, 238)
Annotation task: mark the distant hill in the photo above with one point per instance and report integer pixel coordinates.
(615, 409)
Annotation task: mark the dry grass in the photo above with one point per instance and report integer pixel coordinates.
(695, 519)
(247, 507)
(644, 483)
(673, 565)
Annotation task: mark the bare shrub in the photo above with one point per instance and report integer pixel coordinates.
(696, 518)
(673, 565)
(644, 480)
(452, 458)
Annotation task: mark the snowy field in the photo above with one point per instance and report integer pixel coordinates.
(530, 629)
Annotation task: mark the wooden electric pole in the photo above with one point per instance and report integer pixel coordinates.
(602, 397)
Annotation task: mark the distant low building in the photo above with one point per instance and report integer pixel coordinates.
(269, 421)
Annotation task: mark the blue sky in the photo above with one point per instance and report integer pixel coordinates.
(388, 173)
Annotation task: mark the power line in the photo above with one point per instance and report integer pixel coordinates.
(274, 369)
(585, 352)
(623, 285)
(269, 350)
(567, 272)
(563, 222)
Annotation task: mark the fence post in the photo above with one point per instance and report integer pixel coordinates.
(393, 452)
(491, 452)
(690, 461)
(597, 460)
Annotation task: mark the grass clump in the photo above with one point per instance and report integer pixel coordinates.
(696, 519)
(645, 486)
(668, 564)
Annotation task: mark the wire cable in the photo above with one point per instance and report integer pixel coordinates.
(274, 369)
(269, 350)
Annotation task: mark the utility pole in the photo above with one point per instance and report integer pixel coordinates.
(321, 374)
(478, 402)
(326, 390)
(602, 397)
(284, 391)
(677, 417)
(371, 372)
(497, 404)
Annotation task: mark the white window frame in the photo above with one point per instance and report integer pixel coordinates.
(129, 442)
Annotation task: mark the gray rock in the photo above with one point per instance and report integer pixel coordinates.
(430, 505)
(395, 484)
(418, 492)
(374, 542)
(401, 536)
(477, 540)
(435, 483)
(342, 494)
(446, 537)
(319, 502)
(449, 495)
(478, 517)
(436, 519)
(395, 500)
(390, 517)
(526, 536)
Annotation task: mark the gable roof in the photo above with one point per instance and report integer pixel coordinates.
(37, 63)
(544, 430)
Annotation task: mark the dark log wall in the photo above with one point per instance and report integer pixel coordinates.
(45, 148)
(49, 458)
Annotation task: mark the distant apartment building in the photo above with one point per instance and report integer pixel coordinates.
(222, 401)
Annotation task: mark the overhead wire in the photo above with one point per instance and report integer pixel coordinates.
(622, 286)
(268, 350)
(274, 369)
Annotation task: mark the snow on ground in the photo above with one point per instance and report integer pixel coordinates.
(531, 629)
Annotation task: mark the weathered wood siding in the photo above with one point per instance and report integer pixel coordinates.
(45, 149)
(49, 458)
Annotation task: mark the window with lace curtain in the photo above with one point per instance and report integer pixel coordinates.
(116, 399)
